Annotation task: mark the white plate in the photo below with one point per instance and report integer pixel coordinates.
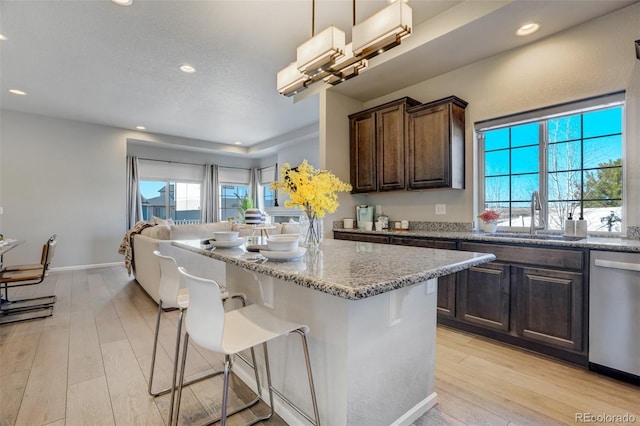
(226, 244)
(284, 255)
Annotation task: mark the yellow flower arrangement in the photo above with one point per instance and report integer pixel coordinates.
(314, 191)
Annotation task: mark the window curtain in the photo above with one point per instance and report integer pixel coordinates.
(254, 187)
(134, 199)
(209, 211)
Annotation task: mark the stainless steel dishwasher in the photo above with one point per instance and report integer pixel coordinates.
(614, 314)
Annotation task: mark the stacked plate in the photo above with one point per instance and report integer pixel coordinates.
(282, 248)
(223, 240)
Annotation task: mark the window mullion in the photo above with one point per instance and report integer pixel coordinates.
(543, 162)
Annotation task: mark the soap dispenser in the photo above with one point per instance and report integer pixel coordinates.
(581, 227)
(570, 226)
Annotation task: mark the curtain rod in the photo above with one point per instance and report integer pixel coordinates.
(195, 164)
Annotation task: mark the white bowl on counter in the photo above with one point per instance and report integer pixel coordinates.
(282, 242)
(226, 235)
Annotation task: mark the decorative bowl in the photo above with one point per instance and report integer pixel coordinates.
(283, 243)
(226, 235)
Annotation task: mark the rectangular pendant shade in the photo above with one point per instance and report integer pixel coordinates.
(321, 51)
(290, 80)
(346, 67)
(382, 30)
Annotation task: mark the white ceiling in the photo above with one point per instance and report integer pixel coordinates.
(94, 61)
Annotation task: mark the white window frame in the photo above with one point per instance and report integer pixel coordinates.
(538, 115)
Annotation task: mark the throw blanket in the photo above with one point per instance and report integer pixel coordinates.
(127, 242)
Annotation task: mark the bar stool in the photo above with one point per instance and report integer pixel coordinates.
(172, 296)
(231, 332)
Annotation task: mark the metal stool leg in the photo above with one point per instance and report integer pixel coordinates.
(174, 421)
(155, 349)
(225, 390)
(272, 390)
(175, 364)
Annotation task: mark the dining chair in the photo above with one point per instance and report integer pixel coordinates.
(231, 332)
(13, 276)
(172, 296)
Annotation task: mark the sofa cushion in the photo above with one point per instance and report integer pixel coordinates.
(159, 232)
(290, 228)
(165, 222)
(202, 230)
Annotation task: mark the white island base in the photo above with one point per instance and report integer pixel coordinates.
(373, 359)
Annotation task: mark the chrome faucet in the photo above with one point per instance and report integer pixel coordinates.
(535, 206)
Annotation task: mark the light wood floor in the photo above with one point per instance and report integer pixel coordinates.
(89, 364)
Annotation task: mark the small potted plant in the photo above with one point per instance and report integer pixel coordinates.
(489, 220)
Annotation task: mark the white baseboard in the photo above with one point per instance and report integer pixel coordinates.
(78, 267)
(417, 411)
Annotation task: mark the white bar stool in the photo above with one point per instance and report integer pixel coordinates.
(231, 332)
(172, 296)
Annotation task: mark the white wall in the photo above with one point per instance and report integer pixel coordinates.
(592, 59)
(64, 177)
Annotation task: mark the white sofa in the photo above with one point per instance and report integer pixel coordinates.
(159, 237)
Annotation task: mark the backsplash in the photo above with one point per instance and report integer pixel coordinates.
(428, 226)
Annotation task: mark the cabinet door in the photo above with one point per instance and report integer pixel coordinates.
(363, 153)
(447, 296)
(435, 145)
(484, 295)
(429, 158)
(390, 125)
(550, 306)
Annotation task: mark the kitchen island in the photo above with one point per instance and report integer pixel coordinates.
(371, 309)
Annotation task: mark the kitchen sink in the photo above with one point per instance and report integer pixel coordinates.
(527, 236)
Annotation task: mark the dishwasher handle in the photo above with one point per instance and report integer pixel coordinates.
(627, 266)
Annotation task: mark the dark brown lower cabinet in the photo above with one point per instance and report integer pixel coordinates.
(484, 295)
(550, 306)
(447, 296)
(531, 296)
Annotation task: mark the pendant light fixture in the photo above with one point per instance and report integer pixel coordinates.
(322, 50)
(326, 57)
(348, 66)
(382, 31)
(290, 80)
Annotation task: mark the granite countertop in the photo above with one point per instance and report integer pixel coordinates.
(350, 269)
(592, 243)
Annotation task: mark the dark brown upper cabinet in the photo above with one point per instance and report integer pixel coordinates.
(407, 145)
(378, 147)
(435, 144)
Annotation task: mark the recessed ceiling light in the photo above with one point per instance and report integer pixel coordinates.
(123, 2)
(3, 38)
(528, 28)
(187, 68)
(141, 128)
(17, 92)
(237, 143)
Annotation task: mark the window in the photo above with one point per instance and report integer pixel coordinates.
(179, 201)
(571, 154)
(268, 196)
(230, 196)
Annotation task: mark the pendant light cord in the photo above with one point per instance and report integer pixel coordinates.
(313, 18)
(354, 13)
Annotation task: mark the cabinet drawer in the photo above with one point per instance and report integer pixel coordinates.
(559, 258)
(420, 242)
(367, 238)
